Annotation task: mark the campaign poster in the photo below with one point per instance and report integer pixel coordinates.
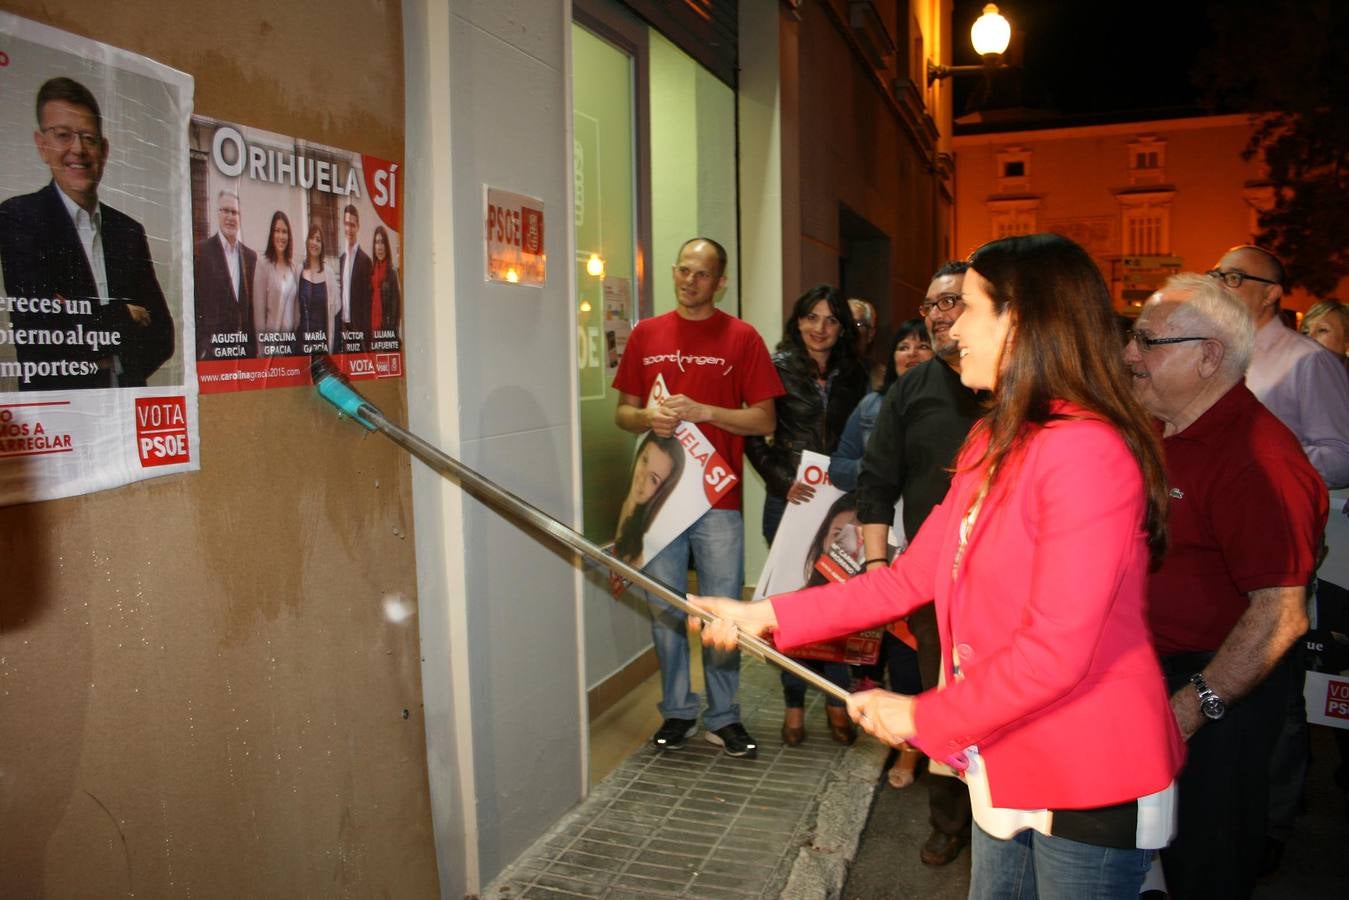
(674, 481)
(513, 225)
(297, 252)
(97, 386)
(1327, 643)
(819, 541)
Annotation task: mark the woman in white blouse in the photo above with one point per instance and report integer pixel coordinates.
(275, 284)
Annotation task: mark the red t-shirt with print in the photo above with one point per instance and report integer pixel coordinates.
(720, 361)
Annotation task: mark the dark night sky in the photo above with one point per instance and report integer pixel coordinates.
(1080, 57)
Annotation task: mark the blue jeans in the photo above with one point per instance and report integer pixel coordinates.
(773, 509)
(1031, 865)
(716, 543)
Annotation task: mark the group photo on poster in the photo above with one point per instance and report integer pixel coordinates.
(296, 253)
(94, 260)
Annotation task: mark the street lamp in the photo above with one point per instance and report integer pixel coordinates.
(990, 35)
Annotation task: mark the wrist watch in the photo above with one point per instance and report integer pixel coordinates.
(1210, 704)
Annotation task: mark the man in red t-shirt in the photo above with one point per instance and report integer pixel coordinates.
(1246, 516)
(721, 379)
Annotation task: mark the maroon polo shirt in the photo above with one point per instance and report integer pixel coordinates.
(1247, 512)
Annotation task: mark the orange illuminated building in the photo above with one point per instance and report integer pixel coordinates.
(1145, 197)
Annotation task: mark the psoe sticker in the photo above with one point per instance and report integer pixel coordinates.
(161, 431)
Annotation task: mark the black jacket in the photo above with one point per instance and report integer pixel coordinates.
(804, 422)
(922, 422)
(42, 256)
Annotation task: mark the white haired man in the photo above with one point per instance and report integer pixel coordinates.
(1227, 603)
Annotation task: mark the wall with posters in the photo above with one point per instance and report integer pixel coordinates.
(211, 680)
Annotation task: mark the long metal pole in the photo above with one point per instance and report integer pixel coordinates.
(335, 389)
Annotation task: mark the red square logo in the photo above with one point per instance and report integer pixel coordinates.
(161, 431)
(531, 228)
(1337, 699)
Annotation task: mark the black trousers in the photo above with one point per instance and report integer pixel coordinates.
(1224, 788)
(948, 800)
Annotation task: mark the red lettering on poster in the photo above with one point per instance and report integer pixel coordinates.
(1337, 699)
(384, 187)
(161, 431)
(814, 475)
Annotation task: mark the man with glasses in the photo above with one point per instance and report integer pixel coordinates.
(80, 266)
(922, 422)
(1307, 388)
(1245, 520)
(1296, 379)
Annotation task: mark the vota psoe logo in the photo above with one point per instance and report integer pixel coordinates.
(161, 431)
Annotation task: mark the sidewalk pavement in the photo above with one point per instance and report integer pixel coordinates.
(697, 823)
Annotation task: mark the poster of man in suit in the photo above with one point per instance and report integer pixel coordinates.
(93, 238)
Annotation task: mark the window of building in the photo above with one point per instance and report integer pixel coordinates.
(1147, 160)
(1145, 223)
(1013, 170)
(1008, 218)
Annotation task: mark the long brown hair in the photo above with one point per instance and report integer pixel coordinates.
(1064, 346)
(314, 229)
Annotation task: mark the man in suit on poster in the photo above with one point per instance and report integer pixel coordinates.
(223, 268)
(354, 268)
(82, 268)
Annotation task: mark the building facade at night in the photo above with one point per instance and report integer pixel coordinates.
(1144, 197)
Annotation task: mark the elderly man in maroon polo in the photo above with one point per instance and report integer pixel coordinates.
(1228, 601)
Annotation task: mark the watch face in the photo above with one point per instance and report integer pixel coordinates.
(1212, 707)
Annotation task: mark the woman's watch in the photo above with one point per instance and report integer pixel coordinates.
(1210, 704)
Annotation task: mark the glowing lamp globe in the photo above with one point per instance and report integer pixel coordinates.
(990, 33)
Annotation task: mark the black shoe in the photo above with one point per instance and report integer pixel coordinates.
(673, 733)
(940, 848)
(734, 739)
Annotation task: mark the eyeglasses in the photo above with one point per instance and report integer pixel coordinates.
(1233, 278)
(862, 323)
(65, 138)
(944, 302)
(1146, 343)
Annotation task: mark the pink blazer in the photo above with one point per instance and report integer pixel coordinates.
(1061, 688)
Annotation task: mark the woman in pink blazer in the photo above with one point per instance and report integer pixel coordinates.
(1053, 704)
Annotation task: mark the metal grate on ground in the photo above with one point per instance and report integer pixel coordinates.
(692, 822)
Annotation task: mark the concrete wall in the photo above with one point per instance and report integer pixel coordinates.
(503, 659)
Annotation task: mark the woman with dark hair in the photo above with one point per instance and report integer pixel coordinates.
(656, 467)
(824, 377)
(275, 285)
(834, 529)
(386, 299)
(1053, 702)
(318, 298)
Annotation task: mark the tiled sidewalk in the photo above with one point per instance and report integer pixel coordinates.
(697, 823)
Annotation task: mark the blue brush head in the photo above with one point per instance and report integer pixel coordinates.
(336, 390)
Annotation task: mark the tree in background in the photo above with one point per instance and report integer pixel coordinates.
(1289, 64)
